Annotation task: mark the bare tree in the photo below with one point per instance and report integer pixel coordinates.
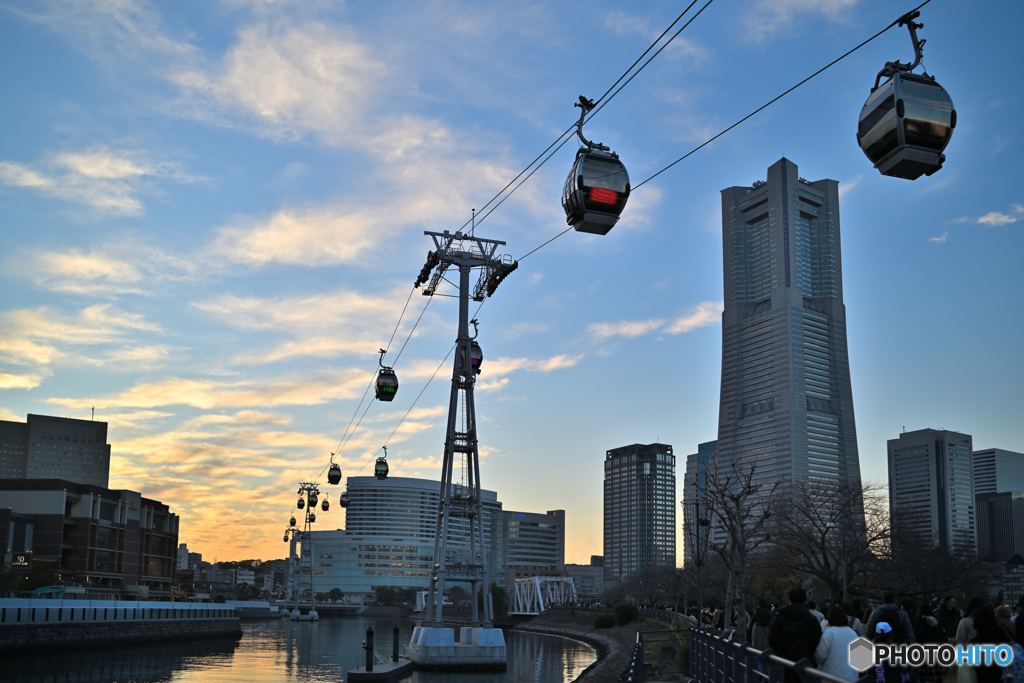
(915, 567)
(826, 523)
(740, 508)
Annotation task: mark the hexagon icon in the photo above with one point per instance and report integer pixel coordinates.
(862, 654)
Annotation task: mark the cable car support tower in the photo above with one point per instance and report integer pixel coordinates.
(465, 252)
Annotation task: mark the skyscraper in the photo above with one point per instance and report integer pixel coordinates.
(639, 509)
(997, 470)
(786, 401)
(931, 485)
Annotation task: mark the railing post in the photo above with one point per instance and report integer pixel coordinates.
(369, 648)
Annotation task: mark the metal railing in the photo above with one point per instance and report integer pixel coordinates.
(727, 659)
(636, 662)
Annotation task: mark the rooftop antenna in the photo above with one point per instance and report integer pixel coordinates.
(93, 413)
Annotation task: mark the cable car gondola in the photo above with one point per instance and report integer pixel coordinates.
(313, 499)
(343, 499)
(325, 506)
(387, 381)
(291, 522)
(312, 517)
(334, 473)
(380, 469)
(476, 356)
(286, 538)
(597, 187)
(906, 122)
(300, 504)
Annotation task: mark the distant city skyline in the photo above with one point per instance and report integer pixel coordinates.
(213, 217)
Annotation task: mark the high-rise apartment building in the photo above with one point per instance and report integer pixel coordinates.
(997, 470)
(46, 447)
(931, 485)
(786, 402)
(639, 509)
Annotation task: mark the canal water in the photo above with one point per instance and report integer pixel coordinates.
(282, 650)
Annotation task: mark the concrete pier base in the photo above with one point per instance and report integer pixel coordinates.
(435, 648)
(382, 671)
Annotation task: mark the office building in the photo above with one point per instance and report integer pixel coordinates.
(931, 485)
(693, 485)
(997, 470)
(1013, 580)
(46, 447)
(588, 578)
(639, 509)
(113, 542)
(388, 539)
(1000, 524)
(404, 507)
(786, 401)
(527, 544)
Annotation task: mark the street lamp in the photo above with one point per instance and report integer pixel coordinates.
(842, 531)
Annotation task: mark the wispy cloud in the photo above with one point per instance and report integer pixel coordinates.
(215, 394)
(9, 381)
(625, 23)
(290, 80)
(107, 270)
(767, 18)
(996, 218)
(107, 180)
(625, 328)
(941, 239)
(849, 185)
(701, 315)
(318, 325)
(44, 335)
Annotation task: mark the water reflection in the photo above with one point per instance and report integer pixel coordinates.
(139, 663)
(282, 650)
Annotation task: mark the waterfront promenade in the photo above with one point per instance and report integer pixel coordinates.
(28, 625)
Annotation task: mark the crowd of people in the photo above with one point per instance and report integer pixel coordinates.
(798, 630)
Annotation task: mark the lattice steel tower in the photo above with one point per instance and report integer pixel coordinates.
(465, 252)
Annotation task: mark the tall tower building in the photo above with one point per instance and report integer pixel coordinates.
(786, 401)
(639, 509)
(931, 485)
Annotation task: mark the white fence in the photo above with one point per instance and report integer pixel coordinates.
(37, 611)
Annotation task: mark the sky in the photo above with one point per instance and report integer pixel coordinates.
(212, 214)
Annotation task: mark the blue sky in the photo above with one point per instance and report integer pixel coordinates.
(212, 214)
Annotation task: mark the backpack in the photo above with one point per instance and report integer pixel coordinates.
(892, 617)
(793, 644)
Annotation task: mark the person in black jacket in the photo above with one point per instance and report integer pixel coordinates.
(949, 617)
(794, 633)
